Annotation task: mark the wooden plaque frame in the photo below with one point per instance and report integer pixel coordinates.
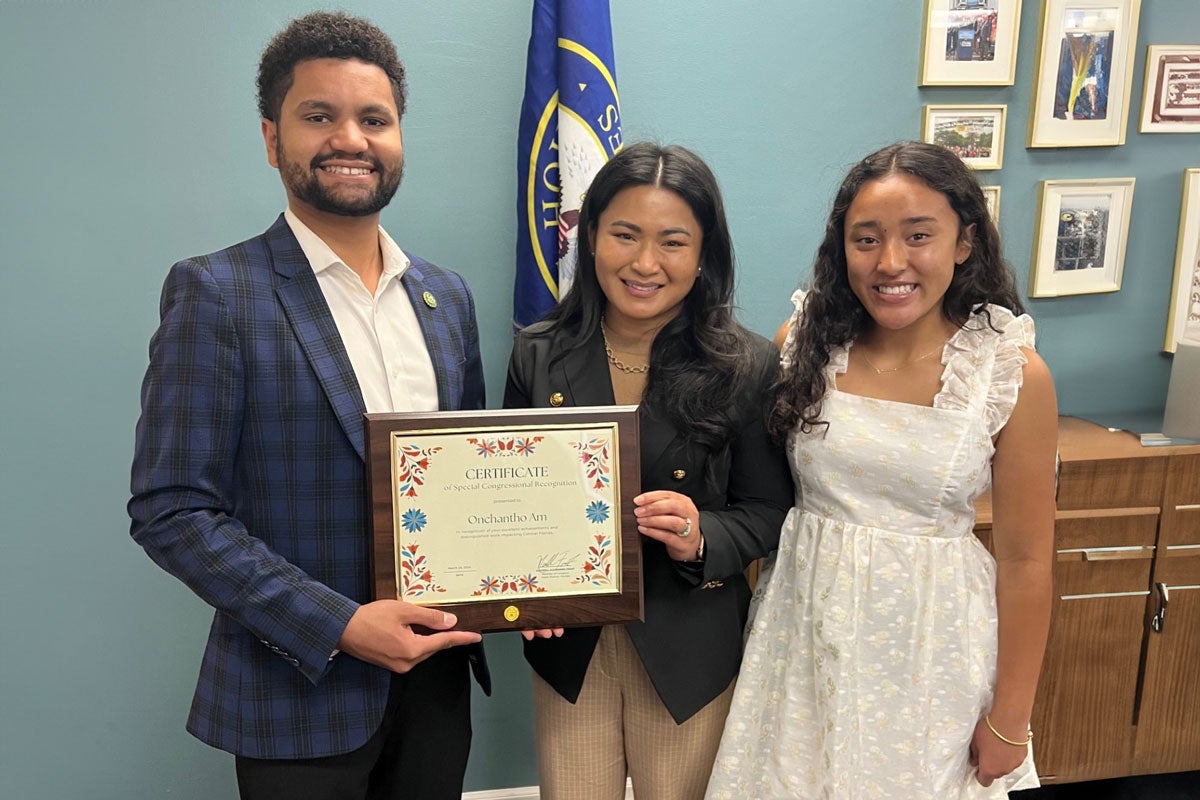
(513, 611)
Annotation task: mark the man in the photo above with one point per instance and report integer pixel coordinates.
(248, 477)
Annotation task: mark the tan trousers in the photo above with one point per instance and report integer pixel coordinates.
(619, 724)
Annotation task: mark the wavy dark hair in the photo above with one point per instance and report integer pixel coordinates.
(833, 315)
(702, 359)
(324, 34)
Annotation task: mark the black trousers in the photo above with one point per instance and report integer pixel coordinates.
(418, 753)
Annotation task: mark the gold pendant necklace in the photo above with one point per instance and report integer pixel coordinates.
(908, 363)
(618, 363)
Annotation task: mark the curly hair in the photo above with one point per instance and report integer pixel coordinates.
(324, 34)
(702, 359)
(832, 315)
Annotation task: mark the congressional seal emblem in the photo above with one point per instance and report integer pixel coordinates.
(570, 126)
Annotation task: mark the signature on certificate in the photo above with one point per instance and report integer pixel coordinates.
(559, 560)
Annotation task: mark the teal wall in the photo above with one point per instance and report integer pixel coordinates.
(132, 141)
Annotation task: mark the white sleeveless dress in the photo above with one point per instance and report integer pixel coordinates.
(871, 647)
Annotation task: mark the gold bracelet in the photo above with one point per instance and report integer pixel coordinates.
(1028, 737)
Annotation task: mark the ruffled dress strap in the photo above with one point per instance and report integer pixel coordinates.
(838, 356)
(788, 352)
(983, 365)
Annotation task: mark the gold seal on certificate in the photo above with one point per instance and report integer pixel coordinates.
(511, 519)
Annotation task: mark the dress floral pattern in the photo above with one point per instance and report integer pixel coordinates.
(871, 647)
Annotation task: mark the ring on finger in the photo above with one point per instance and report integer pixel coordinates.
(687, 528)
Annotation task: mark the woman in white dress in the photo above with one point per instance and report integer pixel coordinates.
(888, 654)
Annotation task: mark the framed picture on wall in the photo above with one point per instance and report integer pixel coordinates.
(974, 132)
(969, 42)
(1079, 236)
(1185, 290)
(1171, 100)
(1084, 70)
(991, 195)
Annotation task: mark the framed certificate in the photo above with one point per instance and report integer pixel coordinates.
(511, 519)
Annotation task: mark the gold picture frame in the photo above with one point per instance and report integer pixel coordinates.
(991, 195)
(1171, 97)
(974, 132)
(969, 42)
(1185, 287)
(1080, 234)
(1084, 73)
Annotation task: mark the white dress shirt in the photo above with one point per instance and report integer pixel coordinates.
(380, 332)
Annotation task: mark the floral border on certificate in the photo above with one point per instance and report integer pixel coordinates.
(505, 446)
(499, 585)
(595, 456)
(418, 580)
(411, 463)
(597, 570)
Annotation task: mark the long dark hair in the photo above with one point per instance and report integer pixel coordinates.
(833, 315)
(701, 360)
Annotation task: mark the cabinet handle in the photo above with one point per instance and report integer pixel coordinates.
(1057, 472)
(1116, 553)
(1160, 613)
(1099, 595)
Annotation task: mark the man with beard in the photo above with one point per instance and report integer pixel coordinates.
(248, 477)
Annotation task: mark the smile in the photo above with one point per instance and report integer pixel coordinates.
(641, 288)
(338, 170)
(897, 289)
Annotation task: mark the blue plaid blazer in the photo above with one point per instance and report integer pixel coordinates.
(249, 485)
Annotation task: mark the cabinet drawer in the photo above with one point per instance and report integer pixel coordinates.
(1083, 714)
(1116, 527)
(1112, 483)
(1168, 738)
(1181, 524)
(1183, 481)
(1178, 565)
(1078, 578)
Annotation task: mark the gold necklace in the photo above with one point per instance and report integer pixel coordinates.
(616, 362)
(908, 363)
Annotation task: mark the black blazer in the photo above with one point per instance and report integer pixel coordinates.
(691, 640)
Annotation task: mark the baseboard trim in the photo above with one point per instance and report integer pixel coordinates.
(524, 793)
(517, 793)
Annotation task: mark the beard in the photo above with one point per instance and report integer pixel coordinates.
(303, 184)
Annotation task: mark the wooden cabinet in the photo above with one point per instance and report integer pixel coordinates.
(1120, 686)
(1168, 719)
(1085, 700)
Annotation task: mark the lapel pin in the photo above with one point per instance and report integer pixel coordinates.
(679, 474)
(429, 299)
(556, 399)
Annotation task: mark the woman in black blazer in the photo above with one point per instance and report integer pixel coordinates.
(649, 320)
